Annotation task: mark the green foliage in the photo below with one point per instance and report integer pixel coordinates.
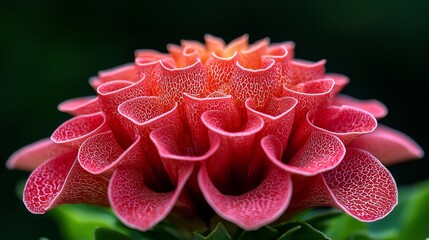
(409, 220)
(102, 233)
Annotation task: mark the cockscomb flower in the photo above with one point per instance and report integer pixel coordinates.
(243, 131)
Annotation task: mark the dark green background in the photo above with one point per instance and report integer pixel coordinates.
(49, 49)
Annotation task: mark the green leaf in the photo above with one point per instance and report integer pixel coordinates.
(102, 233)
(264, 233)
(287, 235)
(305, 231)
(321, 218)
(219, 233)
(86, 219)
(416, 214)
(345, 226)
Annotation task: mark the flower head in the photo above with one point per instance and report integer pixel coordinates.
(243, 131)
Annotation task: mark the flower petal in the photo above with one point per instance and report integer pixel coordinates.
(62, 180)
(362, 186)
(389, 145)
(219, 71)
(237, 147)
(134, 202)
(194, 108)
(236, 45)
(75, 131)
(99, 153)
(173, 144)
(32, 155)
(375, 107)
(260, 84)
(340, 81)
(149, 113)
(255, 208)
(251, 57)
(125, 72)
(111, 95)
(278, 117)
(322, 152)
(345, 122)
(280, 54)
(79, 106)
(303, 71)
(310, 95)
(176, 80)
(214, 44)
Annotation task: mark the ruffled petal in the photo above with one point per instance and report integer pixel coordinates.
(111, 95)
(260, 84)
(303, 71)
(174, 81)
(148, 67)
(236, 45)
(62, 180)
(345, 122)
(135, 203)
(172, 143)
(340, 81)
(375, 107)
(214, 44)
(255, 208)
(219, 71)
(310, 95)
(101, 153)
(278, 116)
(237, 158)
(80, 106)
(125, 72)
(251, 57)
(194, 108)
(362, 186)
(389, 145)
(75, 131)
(322, 152)
(280, 54)
(31, 156)
(149, 113)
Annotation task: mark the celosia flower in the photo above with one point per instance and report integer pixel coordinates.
(247, 132)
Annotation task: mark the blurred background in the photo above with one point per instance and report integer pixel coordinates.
(49, 49)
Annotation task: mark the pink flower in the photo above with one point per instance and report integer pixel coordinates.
(247, 132)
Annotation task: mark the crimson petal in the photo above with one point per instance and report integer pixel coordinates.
(219, 71)
(134, 202)
(255, 208)
(360, 186)
(322, 152)
(62, 180)
(303, 71)
(389, 145)
(278, 116)
(75, 131)
(345, 122)
(176, 80)
(195, 107)
(32, 155)
(79, 106)
(375, 107)
(259, 84)
(101, 153)
(310, 95)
